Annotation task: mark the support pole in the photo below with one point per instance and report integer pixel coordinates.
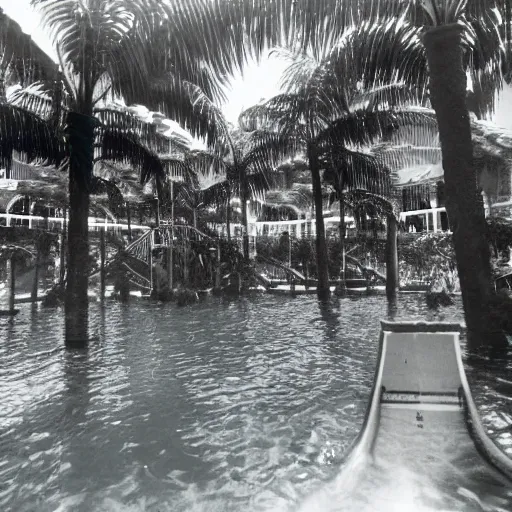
(290, 248)
(157, 213)
(129, 218)
(102, 264)
(170, 268)
(170, 263)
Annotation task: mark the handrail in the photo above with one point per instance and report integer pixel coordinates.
(186, 226)
(135, 273)
(141, 238)
(93, 221)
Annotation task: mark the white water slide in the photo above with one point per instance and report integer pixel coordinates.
(422, 446)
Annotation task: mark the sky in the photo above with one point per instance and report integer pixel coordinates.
(259, 81)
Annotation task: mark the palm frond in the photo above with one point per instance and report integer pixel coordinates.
(178, 170)
(363, 127)
(127, 148)
(283, 113)
(100, 186)
(28, 134)
(122, 175)
(35, 97)
(269, 149)
(406, 156)
(204, 162)
(216, 195)
(119, 119)
(363, 200)
(396, 95)
(349, 170)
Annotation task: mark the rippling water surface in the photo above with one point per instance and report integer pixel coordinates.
(224, 406)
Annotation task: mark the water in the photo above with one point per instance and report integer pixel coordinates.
(224, 406)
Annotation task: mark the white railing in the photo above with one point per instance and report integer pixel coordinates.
(296, 228)
(57, 223)
(431, 218)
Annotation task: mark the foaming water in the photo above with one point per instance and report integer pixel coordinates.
(224, 406)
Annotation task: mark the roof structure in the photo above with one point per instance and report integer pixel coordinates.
(492, 147)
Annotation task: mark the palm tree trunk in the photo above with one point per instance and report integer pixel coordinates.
(392, 280)
(342, 237)
(3, 95)
(322, 261)
(12, 282)
(228, 216)
(8, 168)
(80, 130)
(245, 223)
(35, 282)
(341, 289)
(463, 199)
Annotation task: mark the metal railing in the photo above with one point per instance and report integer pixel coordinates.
(57, 223)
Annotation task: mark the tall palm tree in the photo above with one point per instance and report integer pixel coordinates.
(348, 171)
(120, 137)
(236, 167)
(459, 37)
(462, 37)
(327, 107)
(123, 47)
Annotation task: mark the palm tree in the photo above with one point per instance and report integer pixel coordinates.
(359, 173)
(463, 37)
(234, 168)
(459, 37)
(325, 111)
(121, 139)
(124, 48)
(464, 205)
(240, 171)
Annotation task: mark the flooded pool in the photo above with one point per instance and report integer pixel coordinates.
(224, 406)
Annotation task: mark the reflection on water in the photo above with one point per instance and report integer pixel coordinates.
(244, 405)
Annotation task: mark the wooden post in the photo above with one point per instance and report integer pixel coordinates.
(172, 203)
(12, 282)
(129, 218)
(170, 263)
(102, 263)
(157, 213)
(290, 248)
